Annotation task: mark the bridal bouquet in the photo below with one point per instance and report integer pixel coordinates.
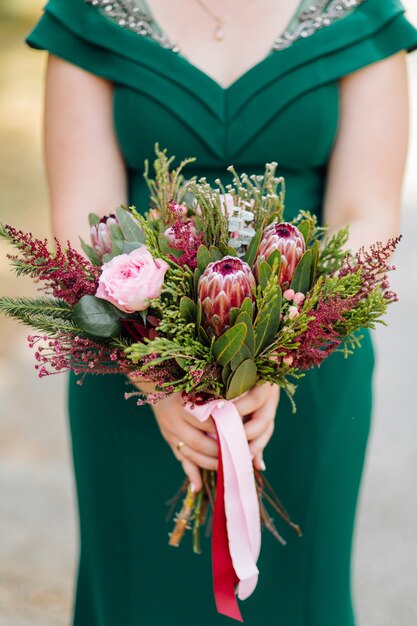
(208, 294)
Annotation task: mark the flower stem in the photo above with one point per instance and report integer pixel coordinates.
(197, 520)
(183, 518)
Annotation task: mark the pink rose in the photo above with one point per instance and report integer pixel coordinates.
(129, 280)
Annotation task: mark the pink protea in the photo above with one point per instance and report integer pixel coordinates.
(101, 236)
(223, 285)
(289, 241)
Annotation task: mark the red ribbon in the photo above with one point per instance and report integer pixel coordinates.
(224, 575)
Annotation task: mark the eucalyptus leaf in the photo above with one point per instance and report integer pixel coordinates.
(129, 246)
(116, 247)
(90, 252)
(129, 227)
(301, 279)
(97, 317)
(115, 231)
(242, 379)
(93, 219)
(228, 344)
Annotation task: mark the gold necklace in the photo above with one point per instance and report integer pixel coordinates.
(221, 20)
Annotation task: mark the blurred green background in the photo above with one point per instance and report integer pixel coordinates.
(37, 510)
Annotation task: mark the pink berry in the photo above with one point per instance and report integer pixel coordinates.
(289, 294)
(292, 312)
(299, 298)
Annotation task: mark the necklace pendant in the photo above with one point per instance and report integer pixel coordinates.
(219, 30)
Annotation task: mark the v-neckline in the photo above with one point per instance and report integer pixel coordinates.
(215, 83)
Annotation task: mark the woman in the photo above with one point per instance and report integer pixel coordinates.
(327, 99)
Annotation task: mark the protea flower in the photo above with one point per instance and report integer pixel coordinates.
(101, 236)
(289, 241)
(223, 285)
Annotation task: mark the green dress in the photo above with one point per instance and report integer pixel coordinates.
(284, 109)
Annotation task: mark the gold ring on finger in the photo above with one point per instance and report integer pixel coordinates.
(180, 445)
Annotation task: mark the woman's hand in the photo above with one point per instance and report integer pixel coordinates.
(260, 404)
(185, 435)
(188, 438)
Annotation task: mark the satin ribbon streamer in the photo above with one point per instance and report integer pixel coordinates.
(236, 540)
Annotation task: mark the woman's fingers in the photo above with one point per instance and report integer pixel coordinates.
(202, 460)
(258, 462)
(257, 446)
(193, 438)
(262, 417)
(193, 473)
(256, 397)
(259, 422)
(207, 425)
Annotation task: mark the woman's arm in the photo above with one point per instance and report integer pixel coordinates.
(367, 164)
(84, 166)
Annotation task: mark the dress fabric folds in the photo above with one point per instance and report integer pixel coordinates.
(284, 109)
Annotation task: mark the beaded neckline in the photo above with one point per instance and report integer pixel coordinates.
(127, 14)
(320, 15)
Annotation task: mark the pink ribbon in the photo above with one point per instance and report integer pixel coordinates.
(240, 497)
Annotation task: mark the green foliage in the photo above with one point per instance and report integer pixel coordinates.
(333, 252)
(212, 220)
(97, 317)
(302, 275)
(204, 257)
(128, 227)
(188, 309)
(168, 183)
(264, 273)
(93, 219)
(244, 318)
(90, 252)
(47, 315)
(32, 307)
(253, 248)
(242, 379)
(263, 194)
(267, 323)
(229, 344)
